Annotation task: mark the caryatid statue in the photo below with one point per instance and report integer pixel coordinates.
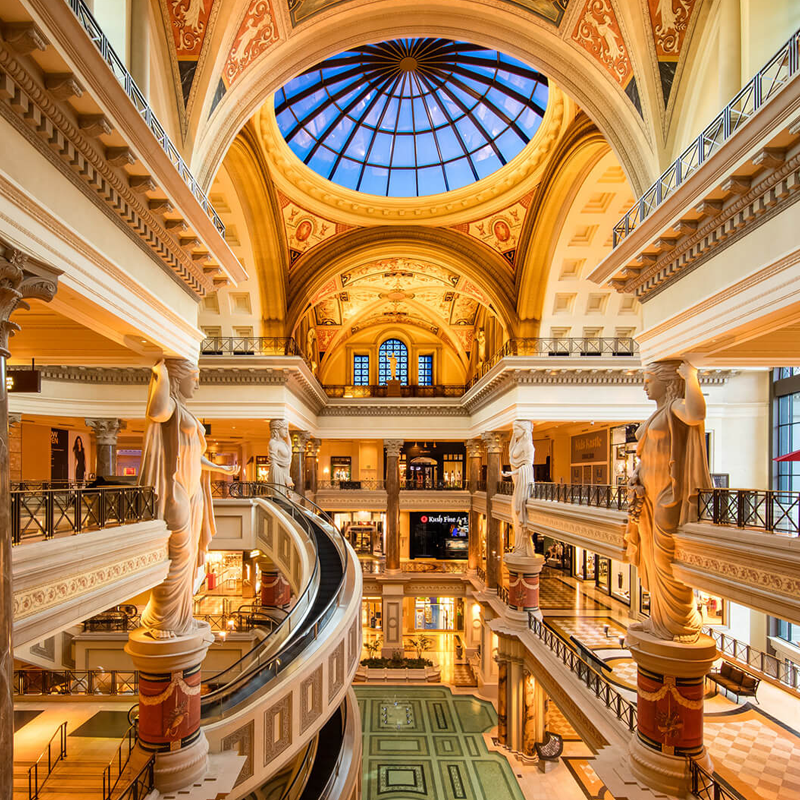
(280, 453)
(672, 468)
(173, 462)
(520, 456)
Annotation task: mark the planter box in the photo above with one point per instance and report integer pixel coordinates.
(404, 675)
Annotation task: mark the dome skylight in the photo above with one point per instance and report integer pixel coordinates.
(411, 117)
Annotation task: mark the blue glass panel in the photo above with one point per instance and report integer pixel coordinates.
(391, 122)
(393, 351)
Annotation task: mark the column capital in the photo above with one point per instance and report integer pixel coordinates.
(300, 440)
(14, 418)
(393, 447)
(474, 448)
(493, 441)
(313, 446)
(106, 430)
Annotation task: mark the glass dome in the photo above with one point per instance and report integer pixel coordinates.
(411, 117)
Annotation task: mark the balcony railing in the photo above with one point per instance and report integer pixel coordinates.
(784, 671)
(505, 487)
(120, 72)
(623, 709)
(369, 485)
(438, 390)
(707, 786)
(600, 495)
(244, 619)
(480, 486)
(43, 514)
(250, 346)
(372, 567)
(767, 82)
(431, 486)
(588, 346)
(774, 511)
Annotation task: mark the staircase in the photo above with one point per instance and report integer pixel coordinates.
(73, 778)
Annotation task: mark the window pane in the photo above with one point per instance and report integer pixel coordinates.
(425, 371)
(393, 362)
(360, 370)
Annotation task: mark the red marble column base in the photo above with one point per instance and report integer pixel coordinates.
(523, 584)
(169, 705)
(671, 687)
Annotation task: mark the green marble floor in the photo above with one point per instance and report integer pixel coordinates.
(425, 743)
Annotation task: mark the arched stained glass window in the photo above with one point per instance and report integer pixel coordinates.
(392, 348)
(411, 117)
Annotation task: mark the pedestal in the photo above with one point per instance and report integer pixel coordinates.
(523, 585)
(169, 704)
(671, 686)
(394, 388)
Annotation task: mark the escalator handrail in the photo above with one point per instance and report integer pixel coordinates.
(285, 656)
(303, 605)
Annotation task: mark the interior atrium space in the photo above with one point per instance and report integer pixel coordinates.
(399, 400)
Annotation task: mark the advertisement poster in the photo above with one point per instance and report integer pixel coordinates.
(59, 454)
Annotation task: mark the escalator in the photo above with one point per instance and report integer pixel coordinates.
(238, 683)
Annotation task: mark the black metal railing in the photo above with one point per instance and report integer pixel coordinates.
(250, 346)
(623, 709)
(783, 671)
(243, 620)
(430, 486)
(125, 79)
(707, 786)
(115, 768)
(364, 485)
(142, 784)
(502, 593)
(88, 682)
(768, 510)
(36, 773)
(599, 495)
(481, 573)
(43, 514)
(766, 83)
(592, 346)
(480, 486)
(505, 487)
(437, 390)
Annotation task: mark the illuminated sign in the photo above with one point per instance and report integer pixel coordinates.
(24, 380)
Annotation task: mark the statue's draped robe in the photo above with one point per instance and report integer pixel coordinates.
(672, 469)
(520, 456)
(280, 462)
(172, 464)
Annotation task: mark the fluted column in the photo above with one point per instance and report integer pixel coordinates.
(474, 457)
(312, 453)
(299, 442)
(106, 431)
(493, 441)
(19, 280)
(393, 448)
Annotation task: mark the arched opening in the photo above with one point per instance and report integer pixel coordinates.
(392, 362)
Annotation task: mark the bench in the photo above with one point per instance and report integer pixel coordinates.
(735, 680)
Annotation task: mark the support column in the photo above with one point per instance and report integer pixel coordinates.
(298, 469)
(535, 714)
(502, 702)
(15, 447)
(275, 589)
(312, 454)
(493, 440)
(169, 704)
(523, 586)
(474, 458)
(515, 705)
(393, 448)
(392, 618)
(18, 279)
(671, 686)
(106, 432)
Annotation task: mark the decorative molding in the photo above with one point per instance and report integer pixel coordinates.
(31, 109)
(243, 742)
(106, 430)
(393, 447)
(336, 671)
(311, 698)
(394, 411)
(283, 711)
(33, 601)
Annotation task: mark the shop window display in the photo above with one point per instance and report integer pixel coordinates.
(439, 614)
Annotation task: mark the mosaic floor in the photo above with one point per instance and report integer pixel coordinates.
(592, 787)
(426, 743)
(590, 631)
(556, 593)
(556, 722)
(624, 672)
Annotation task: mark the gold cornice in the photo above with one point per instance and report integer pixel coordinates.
(487, 196)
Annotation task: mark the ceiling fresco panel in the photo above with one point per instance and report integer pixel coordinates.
(257, 32)
(670, 21)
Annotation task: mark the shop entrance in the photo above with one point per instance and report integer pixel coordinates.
(439, 614)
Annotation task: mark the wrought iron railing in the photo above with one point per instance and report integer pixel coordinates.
(778, 669)
(502, 593)
(141, 786)
(481, 573)
(767, 82)
(623, 709)
(769, 510)
(36, 775)
(242, 620)
(37, 515)
(557, 347)
(365, 485)
(480, 486)
(125, 79)
(600, 495)
(115, 768)
(438, 390)
(707, 786)
(89, 682)
(250, 346)
(431, 486)
(505, 487)
(371, 567)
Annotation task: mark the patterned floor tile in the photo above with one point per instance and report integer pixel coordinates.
(590, 631)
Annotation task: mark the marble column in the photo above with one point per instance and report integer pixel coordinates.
(312, 454)
(523, 586)
(169, 704)
(474, 458)
(106, 432)
(15, 447)
(19, 280)
(502, 702)
(671, 687)
(393, 448)
(392, 618)
(534, 720)
(493, 441)
(515, 705)
(298, 468)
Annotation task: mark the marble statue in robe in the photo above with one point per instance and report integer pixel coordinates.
(393, 366)
(280, 453)
(672, 468)
(520, 456)
(173, 462)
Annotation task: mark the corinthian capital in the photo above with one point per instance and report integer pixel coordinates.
(106, 430)
(474, 448)
(299, 441)
(393, 447)
(493, 441)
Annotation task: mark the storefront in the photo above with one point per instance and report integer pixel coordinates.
(363, 529)
(432, 465)
(262, 468)
(623, 452)
(589, 454)
(371, 613)
(710, 608)
(614, 578)
(341, 468)
(585, 562)
(439, 614)
(558, 555)
(436, 534)
(224, 572)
